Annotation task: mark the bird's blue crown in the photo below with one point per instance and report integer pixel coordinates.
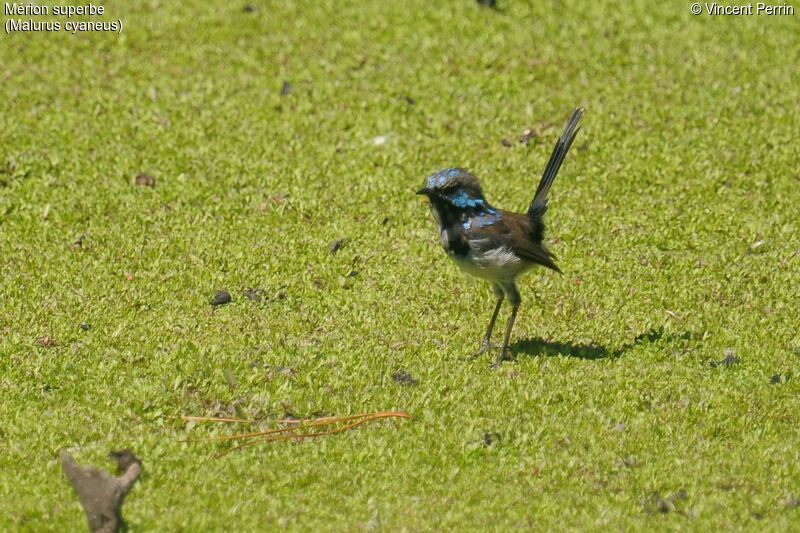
(443, 178)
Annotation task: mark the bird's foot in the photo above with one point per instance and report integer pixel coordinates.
(485, 347)
(504, 356)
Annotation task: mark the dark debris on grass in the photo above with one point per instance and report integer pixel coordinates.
(777, 379)
(490, 438)
(401, 377)
(729, 360)
(337, 245)
(221, 298)
(256, 295)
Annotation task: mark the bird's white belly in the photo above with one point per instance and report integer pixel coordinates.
(493, 265)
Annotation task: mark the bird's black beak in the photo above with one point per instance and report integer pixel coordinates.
(426, 194)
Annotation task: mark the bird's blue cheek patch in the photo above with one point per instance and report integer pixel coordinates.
(462, 200)
(467, 224)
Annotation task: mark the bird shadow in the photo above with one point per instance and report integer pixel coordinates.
(590, 352)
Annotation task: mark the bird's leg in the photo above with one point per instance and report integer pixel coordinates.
(485, 343)
(504, 350)
(514, 299)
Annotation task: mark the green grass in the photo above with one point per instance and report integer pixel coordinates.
(675, 221)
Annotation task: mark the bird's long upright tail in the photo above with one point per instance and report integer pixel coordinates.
(539, 203)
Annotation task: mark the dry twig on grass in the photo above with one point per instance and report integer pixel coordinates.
(294, 429)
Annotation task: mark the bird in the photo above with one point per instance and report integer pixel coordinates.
(490, 243)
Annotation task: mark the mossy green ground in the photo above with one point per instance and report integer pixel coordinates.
(675, 221)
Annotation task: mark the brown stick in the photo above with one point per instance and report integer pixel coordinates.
(369, 418)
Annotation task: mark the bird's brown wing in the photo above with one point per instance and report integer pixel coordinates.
(518, 233)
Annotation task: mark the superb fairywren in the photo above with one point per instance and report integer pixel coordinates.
(490, 243)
